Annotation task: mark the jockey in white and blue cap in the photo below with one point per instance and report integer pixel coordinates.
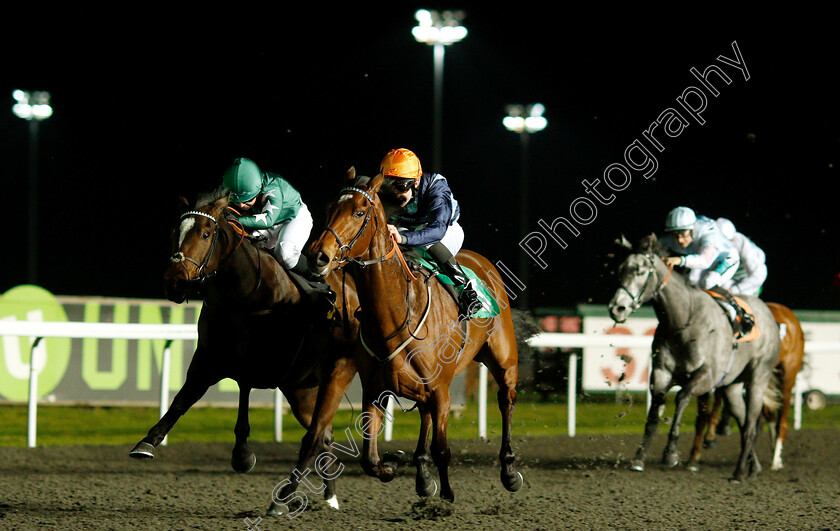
(698, 244)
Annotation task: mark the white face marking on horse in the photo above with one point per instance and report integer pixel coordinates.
(345, 197)
(186, 225)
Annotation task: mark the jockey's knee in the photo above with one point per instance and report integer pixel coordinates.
(287, 253)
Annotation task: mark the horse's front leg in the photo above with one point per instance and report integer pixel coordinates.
(330, 394)
(660, 382)
(719, 417)
(424, 485)
(386, 468)
(441, 453)
(671, 457)
(199, 379)
(242, 459)
(699, 384)
(700, 425)
(748, 463)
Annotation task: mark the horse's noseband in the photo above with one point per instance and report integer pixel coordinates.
(179, 257)
(637, 299)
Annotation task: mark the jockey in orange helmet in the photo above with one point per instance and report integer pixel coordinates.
(426, 216)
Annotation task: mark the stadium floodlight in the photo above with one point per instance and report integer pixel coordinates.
(528, 119)
(31, 105)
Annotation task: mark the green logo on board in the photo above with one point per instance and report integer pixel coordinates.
(31, 303)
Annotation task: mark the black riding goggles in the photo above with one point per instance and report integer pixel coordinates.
(399, 186)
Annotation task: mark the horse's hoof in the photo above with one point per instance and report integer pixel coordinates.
(397, 457)
(514, 482)
(428, 490)
(142, 450)
(671, 460)
(333, 502)
(243, 466)
(709, 443)
(692, 467)
(723, 429)
(277, 509)
(638, 465)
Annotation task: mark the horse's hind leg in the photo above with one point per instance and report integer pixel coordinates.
(424, 485)
(197, 382)
(781, 418)
(504, 369)
(242, 459)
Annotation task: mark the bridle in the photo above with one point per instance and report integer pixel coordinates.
(179, 257)
(660, 284)
(202, 274)
(343, 257)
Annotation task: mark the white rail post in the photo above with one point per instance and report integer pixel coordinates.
(389, 419)
(482, 401)
(278, 415)
(797, 404)
(32, 421)
(164, 381)
(572, 394)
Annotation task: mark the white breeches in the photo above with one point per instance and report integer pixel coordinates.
(453, 239)
(288, 239)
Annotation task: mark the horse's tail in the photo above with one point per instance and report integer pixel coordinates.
(525, 327)
(773, 397)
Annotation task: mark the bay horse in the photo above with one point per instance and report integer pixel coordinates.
(787, 367)
(255, 326)
(415, 341)
(694, 348)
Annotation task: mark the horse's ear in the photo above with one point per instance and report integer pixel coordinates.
(351, 174)
(376, 183)
(624, 243)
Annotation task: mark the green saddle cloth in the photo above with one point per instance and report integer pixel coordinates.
(489, 306)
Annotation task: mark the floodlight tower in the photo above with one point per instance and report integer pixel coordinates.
(524, 120)
(33, 107)
(438, 30)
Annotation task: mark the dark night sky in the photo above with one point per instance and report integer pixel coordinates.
(152, 105)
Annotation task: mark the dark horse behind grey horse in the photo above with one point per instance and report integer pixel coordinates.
(694, 348)
(255, 327)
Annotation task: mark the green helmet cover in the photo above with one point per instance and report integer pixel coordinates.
(244, 180)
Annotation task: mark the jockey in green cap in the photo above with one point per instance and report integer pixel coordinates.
(273, 214)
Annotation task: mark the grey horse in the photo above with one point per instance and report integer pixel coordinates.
(694, 348)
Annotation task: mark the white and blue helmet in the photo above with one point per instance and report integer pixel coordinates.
(679, 219)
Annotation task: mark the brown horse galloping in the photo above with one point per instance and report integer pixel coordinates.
(415, 341)
(790, 361)
(255, 326)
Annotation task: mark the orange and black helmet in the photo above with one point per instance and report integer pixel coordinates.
(403, 164)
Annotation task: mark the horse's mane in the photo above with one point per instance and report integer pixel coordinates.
(212, 196)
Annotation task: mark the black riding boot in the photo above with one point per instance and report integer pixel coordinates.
(468, 299)
(746, 321)
(319, 285)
